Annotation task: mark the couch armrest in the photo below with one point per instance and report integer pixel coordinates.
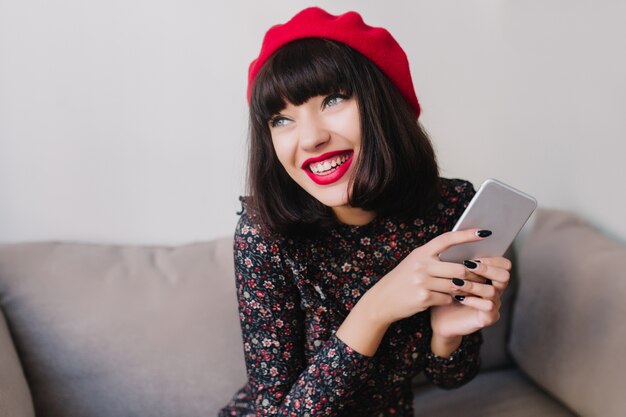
(15, 399)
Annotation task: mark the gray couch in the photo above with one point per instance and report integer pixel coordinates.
(96, 330)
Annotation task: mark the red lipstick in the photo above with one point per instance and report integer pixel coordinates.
(332, 175)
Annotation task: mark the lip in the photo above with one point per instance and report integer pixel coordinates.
(333, 176)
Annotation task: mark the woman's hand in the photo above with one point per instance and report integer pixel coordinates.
(421, 281)
(478, 305)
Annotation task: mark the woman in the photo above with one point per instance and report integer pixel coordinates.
(342, 297)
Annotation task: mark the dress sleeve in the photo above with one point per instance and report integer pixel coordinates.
(281, 381)
(464, 363)
(460, 368)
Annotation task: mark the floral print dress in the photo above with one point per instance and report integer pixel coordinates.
(294, 294)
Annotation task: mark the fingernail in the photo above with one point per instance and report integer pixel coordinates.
(459, 297)
(483, 233)
(457, 281)
(488, 281)
(470, 264)
(478, 261)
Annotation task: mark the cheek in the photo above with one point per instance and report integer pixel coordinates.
(285, 152)
(279, 154)
(350, 126)
(284, 157)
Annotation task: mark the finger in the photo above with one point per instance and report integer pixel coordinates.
(445, 286)
(440, 299)
(487, 271)
(487, 306)
(452, 270)
(477, 278)
(487, 292)
(448, 270)
(470, 276)
(486, 313)
(497, 261)
(448, 239)
(457, 286)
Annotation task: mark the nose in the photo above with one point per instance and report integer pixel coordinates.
(313, 133)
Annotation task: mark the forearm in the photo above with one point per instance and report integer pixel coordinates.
(363, 329)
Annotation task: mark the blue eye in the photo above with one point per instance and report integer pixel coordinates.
(334, 99)
(278, 121)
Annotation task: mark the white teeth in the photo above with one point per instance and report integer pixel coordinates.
(321, 167)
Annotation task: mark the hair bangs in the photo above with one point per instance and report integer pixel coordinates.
(298, 71)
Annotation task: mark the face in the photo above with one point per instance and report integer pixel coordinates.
(317, 143)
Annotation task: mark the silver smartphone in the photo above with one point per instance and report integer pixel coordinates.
(497, 207)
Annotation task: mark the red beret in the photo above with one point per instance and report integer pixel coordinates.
(377, 44)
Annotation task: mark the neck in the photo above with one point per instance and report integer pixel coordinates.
(353, 216)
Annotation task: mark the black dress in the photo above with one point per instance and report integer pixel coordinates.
(294, 294)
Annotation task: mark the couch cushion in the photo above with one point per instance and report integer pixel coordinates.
(491, 394)
(109, 331)
(15, 399)
(568, 329)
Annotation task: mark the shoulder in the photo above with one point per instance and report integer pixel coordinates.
(253, 243)
(250, 225)
(455, 192)
(454, 196)
(250, 233)
(261, 261)
(247, 226)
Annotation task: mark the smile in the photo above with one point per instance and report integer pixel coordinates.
(328, 168)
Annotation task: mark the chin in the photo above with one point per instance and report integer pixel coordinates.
(333, 200)
(333, 196)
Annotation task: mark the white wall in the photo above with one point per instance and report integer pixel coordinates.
(124, 120)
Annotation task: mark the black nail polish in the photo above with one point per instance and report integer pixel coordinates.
(458, 282)
(470, 264)
(459, 297)
(483, 233)
(488, 281)
(478, 261)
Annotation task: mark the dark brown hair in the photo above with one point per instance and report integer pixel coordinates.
(396, 172)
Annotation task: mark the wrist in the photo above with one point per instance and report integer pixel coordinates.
(373, 311)
(443, 346)
(362, 330)
(368, 313)
(374, 307)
